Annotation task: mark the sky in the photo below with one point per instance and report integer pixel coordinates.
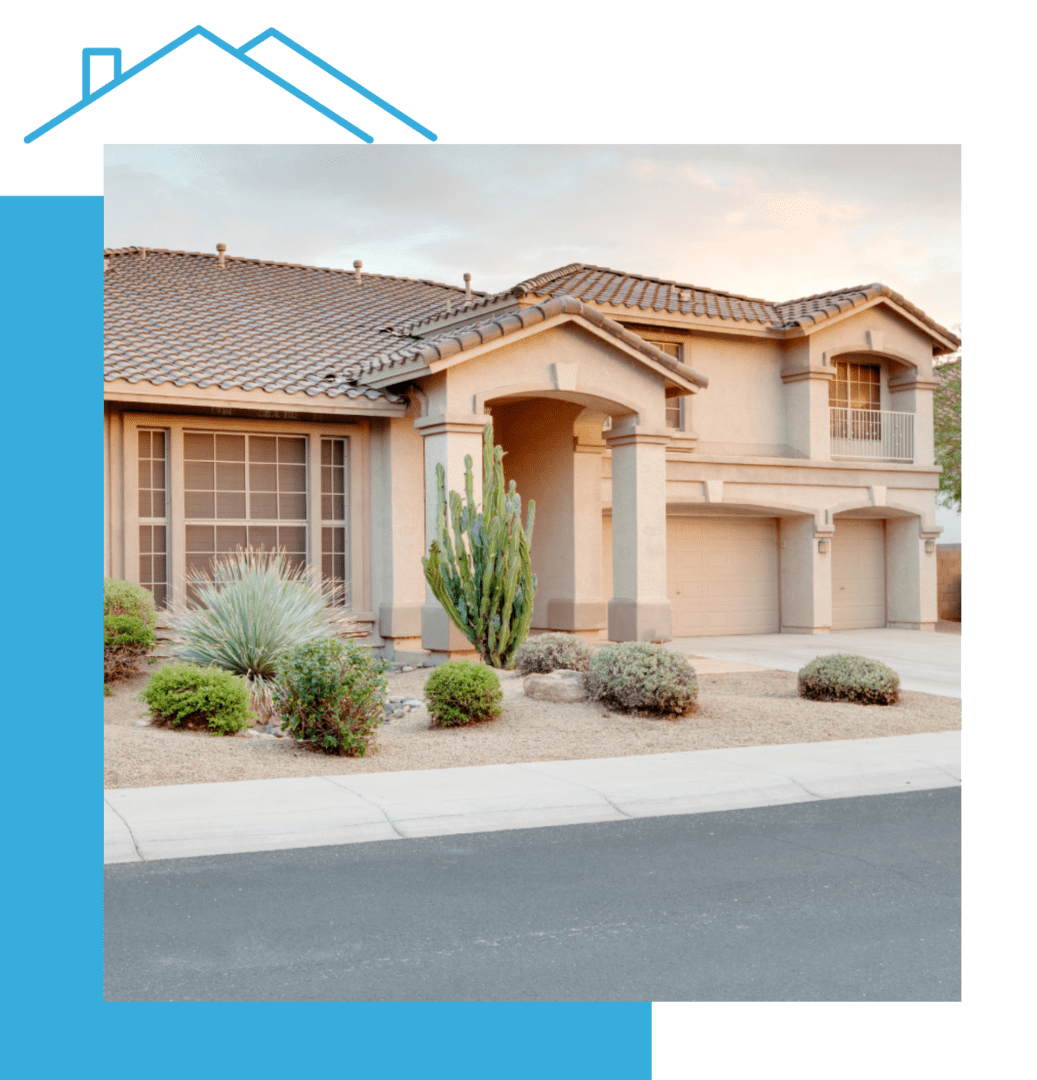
(772, 222)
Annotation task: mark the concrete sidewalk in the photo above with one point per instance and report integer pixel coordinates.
(144, 824)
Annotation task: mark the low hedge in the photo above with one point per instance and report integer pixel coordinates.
(842, 677)
(129, 627)
(553, 652)
(185, 695)
(460, 692)
(638, 677)
(331, 694)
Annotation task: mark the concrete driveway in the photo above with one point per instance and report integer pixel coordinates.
(925, 661)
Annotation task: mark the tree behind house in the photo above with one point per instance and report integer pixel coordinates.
(947, 429)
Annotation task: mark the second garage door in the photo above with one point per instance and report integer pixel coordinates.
(722, 575)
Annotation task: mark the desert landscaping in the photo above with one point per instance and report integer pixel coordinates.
(740, 708)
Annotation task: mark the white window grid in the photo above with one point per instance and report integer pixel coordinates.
(153, 575)
(335, 548)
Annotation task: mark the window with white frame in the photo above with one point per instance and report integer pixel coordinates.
(674, 417)
(334, 499)
(153, 512)
(201, 491)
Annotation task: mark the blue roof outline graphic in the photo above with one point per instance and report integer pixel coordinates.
(121, 77)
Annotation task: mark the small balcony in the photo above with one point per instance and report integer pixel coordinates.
(873, 435)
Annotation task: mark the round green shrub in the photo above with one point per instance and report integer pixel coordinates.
(842, 677)
(191, 696)
(332, 695)
(460, 692)
(638, 677)
(129, 627)
(553, 652)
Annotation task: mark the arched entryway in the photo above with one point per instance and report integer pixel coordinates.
(553, 451)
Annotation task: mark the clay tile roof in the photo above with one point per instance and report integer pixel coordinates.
(616, 288)
(177, 317)
(457, 339)
(809, 310)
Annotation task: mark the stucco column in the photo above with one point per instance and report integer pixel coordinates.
(447, 439)
(585, 612)
(914, 394)
(807, 420)
(398, 534)
(639, 609)
(806, 576)
(911, 602)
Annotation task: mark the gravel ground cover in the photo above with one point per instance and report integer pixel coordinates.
(747, 708)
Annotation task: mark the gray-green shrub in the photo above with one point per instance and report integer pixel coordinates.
(843, 677)
(185, 695)
(553, 652)
(129, 627)
(638, 677)
(332, 694)
(460, 692)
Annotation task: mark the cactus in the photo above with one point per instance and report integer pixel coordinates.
(483, 577)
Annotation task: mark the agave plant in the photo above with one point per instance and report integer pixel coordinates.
(252, 610)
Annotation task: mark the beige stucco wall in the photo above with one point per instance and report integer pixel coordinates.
(604, 374)
(397, 530)
(743, 409)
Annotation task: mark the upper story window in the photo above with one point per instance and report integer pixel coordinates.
(673, 405)
(856, 386)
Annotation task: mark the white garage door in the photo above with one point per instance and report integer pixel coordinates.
(858, 575)
(722, 574)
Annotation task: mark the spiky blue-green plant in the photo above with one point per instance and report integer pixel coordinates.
(253, 609)
(483, 577)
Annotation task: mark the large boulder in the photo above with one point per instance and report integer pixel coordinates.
(558, 686)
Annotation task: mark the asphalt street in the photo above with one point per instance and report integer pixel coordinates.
(837, 900)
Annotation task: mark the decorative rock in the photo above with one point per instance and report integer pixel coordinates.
(413, 703)
(407, 667)
(558, 686)
(142, 723)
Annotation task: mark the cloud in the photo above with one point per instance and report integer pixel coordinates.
(767, 221)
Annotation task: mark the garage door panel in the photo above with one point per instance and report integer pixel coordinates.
(724, 576)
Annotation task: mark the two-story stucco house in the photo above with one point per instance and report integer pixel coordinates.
(703, 463)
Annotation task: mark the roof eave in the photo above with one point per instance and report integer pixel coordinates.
(145, 392)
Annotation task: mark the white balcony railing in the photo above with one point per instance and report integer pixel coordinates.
(871, 433)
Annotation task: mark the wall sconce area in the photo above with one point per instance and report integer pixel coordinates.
(822, 546)
(930, 547)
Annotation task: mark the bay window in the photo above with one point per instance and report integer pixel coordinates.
(198, 491)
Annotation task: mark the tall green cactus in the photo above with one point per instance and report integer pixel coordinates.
(483, 578)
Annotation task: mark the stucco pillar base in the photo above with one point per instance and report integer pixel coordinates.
(440, 637)
(806, 629)
(400, 620)
(576, 615)
(640, 620)
(912, 625)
